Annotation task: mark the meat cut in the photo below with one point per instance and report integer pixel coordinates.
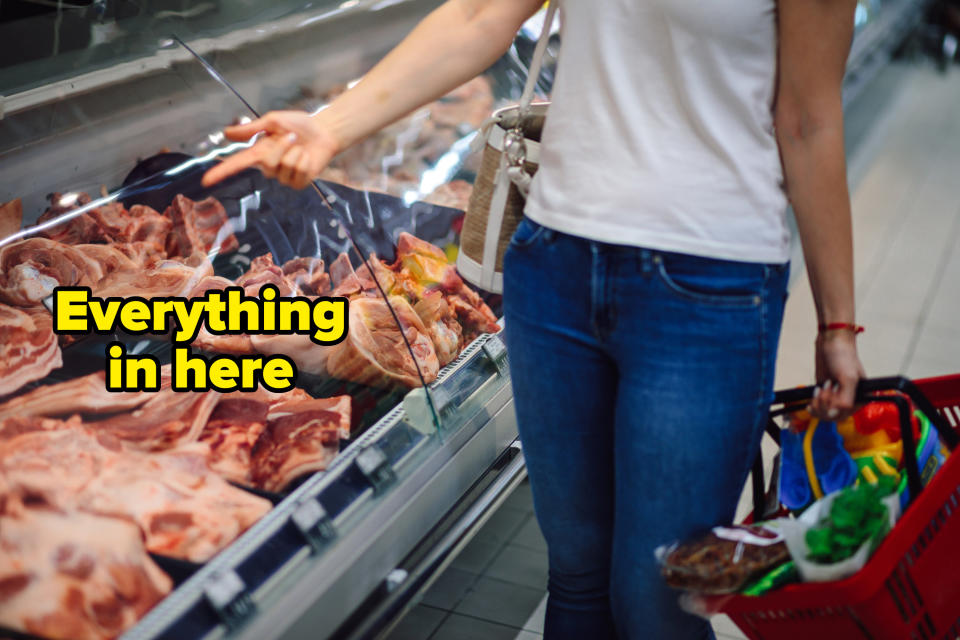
(167, 420)
(301, 437)
(263, 271)
(232, 432)
(30, 269)
(198, 227)
(308, 275)
(183, 509)
(165, 279)
(86, 395)
(229, 344)
(375, 353)
(70, 575)
(11, 217)
(28, 347)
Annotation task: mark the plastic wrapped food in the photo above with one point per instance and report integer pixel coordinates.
(725, 560)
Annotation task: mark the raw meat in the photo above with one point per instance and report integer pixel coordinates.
(442, 326)
(308, 275)
(375, 353)
(143, 253)
(263, 271)
(111, 218)
(309, 356)
(146, 225)
(17, 425)
(168, 419)
(349, 283)
(198, 227)
(183, 509)
(230, 344)
(77, 230)
(11, 217)
(30, 269)
(165, 279)
(303, 406)
(70, 575)
(231, 433)
(28, 347)
(108, 257)
(86, 395)
(422, 267)
(301, 438)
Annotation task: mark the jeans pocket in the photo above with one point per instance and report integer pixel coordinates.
(527, 233)
(713, 282)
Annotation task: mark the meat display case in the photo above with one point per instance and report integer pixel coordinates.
(342, 551)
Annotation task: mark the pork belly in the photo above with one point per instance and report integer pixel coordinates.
(28, 347)
(168, 419)
(86, 395)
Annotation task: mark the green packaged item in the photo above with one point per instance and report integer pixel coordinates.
(785, 574)
(857, 515)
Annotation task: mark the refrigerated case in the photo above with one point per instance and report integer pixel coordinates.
(139, 111)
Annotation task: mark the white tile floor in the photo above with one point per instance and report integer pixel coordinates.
(904, 165)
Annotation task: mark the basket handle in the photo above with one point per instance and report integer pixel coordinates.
(792, 400)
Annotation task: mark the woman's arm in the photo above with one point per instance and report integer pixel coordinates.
(453, 44)
(815, 38)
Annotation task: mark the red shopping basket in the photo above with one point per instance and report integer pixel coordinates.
(910, 588)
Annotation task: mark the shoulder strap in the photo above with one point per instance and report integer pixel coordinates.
(537, 63)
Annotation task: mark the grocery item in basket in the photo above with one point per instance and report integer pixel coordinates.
(725, 560)
(856, 515)
(778, 577)
(71, 575)
(835, 536)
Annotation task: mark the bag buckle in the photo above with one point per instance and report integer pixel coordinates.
(515, 147)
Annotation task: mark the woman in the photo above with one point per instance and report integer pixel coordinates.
(644, 291)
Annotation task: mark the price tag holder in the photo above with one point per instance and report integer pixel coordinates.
(227, 594)
(375, 466)
(496, 350)
(313, 521)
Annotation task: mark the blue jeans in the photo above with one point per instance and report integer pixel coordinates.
(641, 382)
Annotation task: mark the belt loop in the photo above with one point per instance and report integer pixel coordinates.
(646, 261)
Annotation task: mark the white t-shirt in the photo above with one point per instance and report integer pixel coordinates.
(660, 134)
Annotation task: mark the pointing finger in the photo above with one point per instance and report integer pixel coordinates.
(231, 166)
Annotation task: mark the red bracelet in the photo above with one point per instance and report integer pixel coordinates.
(833, 326)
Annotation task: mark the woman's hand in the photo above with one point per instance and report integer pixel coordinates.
(814, 42)
(457, 41)
(294, 148)
(838, 372)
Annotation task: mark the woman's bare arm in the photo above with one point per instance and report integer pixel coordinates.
(453, 44)
(815, 38)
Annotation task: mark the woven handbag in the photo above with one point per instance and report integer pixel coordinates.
(511, 153)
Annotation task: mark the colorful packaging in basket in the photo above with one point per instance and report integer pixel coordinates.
(725, 560)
